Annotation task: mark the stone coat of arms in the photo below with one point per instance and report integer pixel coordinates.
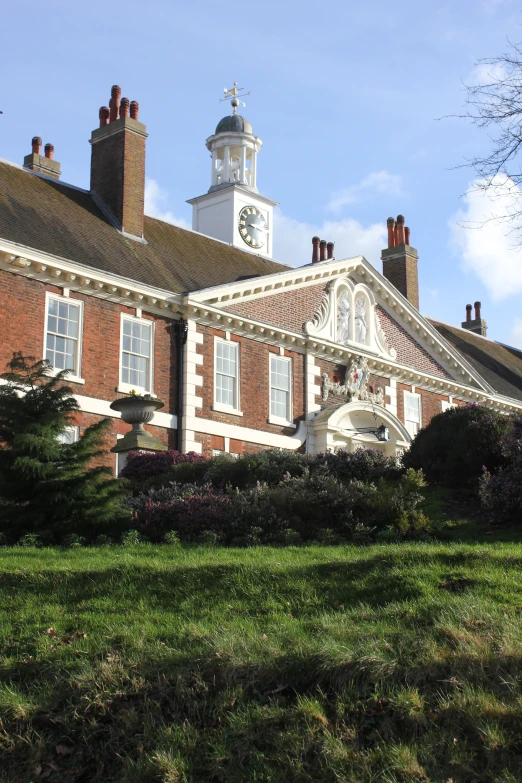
(355, 386)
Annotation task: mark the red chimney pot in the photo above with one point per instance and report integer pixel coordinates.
(104, 113)
(468, 312)
(406, 235)
(49, 151)
(36, 144)
(323, 250)
(134, 110)
(114, 102)
(315, 249)
(330, 247)
(391, 231)
(400, 230)
(124, 107)
(477, 311)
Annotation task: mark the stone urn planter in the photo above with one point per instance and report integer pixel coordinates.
(137, 410)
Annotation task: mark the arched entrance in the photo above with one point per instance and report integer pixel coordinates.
(345, 426)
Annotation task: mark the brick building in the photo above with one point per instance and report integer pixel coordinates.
(244, 352)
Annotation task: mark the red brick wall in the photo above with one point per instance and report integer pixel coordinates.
(22, 326)
(254, 383)
(409, 352)
(211, 442)
(431, 403)
(289, 310)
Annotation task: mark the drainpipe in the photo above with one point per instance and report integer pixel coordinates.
(178, 333)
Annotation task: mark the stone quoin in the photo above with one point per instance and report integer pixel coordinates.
(245, 352)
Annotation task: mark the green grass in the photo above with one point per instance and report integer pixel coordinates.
(381, 663)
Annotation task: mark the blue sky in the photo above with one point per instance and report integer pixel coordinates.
(345, 95)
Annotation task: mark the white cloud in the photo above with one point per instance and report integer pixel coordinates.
(485, 239)
(515, 338)
(155, 204)
(376, 182)
(293, 239)
(486, 73)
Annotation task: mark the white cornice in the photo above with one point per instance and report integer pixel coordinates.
(275, 283)
(259, 331)
(54, 270)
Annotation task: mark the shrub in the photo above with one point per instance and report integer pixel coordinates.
(188, 513)
(46, 484)
(267, 467)
(143, 465)
(73, 541)
(131, 538)
(456, 444)
(362, 465)
(501, 494)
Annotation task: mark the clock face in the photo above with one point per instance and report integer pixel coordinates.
(252, 226)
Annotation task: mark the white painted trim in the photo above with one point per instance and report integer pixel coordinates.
(191, 380)
(273, 419)
(220, 408)
(74, 378)
(209, 427)
(235, 410)
(53, 270)
(129, 387)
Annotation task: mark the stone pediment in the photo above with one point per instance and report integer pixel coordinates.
(348, 316)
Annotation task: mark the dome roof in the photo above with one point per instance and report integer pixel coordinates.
(234, 123)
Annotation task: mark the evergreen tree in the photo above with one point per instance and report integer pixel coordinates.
(46, 484)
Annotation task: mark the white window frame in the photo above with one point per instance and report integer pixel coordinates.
(74, 377)
(126, 388)
(235, 410)
(74, 430)
(278, 419)
(408, 421)
(447, 406)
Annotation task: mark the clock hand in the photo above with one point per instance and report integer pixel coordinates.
(253, 225)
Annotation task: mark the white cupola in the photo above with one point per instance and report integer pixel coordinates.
(232, 210)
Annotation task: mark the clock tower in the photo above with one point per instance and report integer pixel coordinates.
(233, 210)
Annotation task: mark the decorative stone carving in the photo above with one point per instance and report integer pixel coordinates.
(347, 316)
(343, 317)
(381, 339)
(356, 385)
(361, 326)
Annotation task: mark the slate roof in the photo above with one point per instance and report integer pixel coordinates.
(53, 217)
(499, 365)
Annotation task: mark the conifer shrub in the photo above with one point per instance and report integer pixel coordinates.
(455, 446)
(45, 484)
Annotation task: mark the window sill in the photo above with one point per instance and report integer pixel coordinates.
(225, 409)
(128, 389)
(281, 422)
(70, 378)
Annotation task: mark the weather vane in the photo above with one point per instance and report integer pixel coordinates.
(234, 95)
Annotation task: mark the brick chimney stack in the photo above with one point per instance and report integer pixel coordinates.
(477, 324)
(118, 163)
(44, 164)
(399, 261)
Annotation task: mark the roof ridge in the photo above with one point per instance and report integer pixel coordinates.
(43, 176)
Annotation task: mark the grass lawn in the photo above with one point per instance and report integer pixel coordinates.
(380, 663)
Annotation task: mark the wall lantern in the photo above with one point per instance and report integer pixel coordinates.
(383, 433)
